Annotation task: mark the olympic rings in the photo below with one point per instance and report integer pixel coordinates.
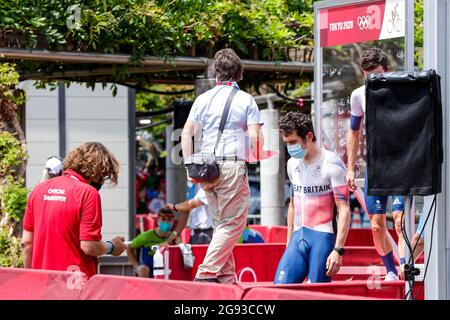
(364, 22)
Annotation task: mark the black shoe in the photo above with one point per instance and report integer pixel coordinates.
(207, 280)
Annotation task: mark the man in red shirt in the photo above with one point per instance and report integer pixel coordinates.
(63, 219)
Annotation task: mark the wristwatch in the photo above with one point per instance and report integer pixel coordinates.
(174, 207)
(340, 251)
(110, 247)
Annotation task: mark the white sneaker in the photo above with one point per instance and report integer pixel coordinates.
(391, 276)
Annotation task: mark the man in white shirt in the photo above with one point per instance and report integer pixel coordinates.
(197, 210)
(228, 196)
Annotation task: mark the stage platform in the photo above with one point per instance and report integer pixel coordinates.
(23, 284)
(361, 277)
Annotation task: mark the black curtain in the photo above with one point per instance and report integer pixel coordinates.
(404, 133)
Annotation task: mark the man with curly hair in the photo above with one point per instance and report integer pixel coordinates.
(318, 187)
(63, 219)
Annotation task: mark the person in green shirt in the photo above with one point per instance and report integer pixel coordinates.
(144, 266)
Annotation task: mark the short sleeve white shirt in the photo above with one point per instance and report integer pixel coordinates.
(358, 102)
(200, 217)
(207, 112)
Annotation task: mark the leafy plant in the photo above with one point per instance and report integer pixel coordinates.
(10, 251)
(418, 33)
(13, 155)
(14, 198)
(157, 27)
(8, 75)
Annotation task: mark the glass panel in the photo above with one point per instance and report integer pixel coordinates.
(341, 75)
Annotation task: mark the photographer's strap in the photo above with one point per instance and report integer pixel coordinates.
(224, 117)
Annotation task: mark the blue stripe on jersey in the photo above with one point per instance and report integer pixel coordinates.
(355, 122)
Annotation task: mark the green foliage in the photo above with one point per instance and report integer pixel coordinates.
(11, 153)
(302, 89)
(256, 29)
(8, 75)
(9, 78)
(13, 194)
(152, 101)
(14, 197)
(50, 85)
(418, 33)
(142, 27)
(10, 251)
(146, 101)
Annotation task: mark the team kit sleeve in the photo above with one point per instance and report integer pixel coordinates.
(91, 217)
(356, 112)
(336, 173)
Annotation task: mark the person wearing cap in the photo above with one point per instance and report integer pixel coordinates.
(144, 241)
(53, 168)
(63, 219)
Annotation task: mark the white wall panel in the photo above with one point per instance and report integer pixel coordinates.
(41, 129)
(107, 109)
(98, 116)
(90, 116)
(96, 129)
(39, 152)
(42, 107)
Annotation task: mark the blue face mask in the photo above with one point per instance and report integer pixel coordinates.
(165, 226)
(296, 151)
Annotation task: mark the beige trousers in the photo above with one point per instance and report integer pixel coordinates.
(228, 200)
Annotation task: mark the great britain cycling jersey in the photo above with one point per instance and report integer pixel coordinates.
(314, 188)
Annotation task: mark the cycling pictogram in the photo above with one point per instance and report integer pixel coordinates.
(395, 22)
